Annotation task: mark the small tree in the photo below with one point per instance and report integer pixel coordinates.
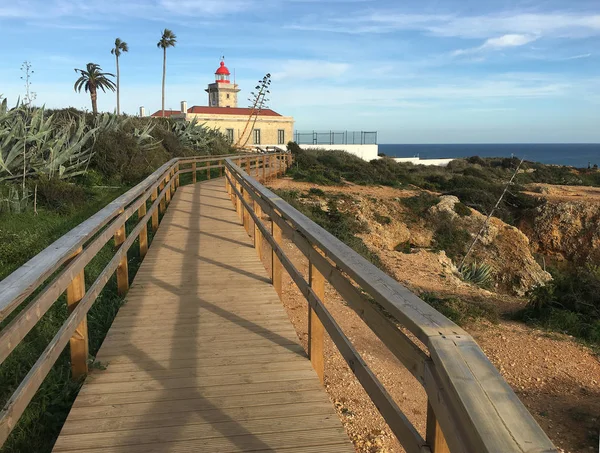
(91, 79)
(167, 40)
(120, 46)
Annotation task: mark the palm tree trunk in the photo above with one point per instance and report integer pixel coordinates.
(164, 77)
(118, 95)
(94, 96)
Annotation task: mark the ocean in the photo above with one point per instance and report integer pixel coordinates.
(575, 155)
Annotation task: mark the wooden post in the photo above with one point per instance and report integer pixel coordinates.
(144, 233)
(257, 163)
(173, 184)
(161, 205)
(153, 198)
(208, 170)
(247, 218)
(177, 177)
(168, 192)
(122, 271)
(240, 209)
(264, 165)
(434, 435)
(276, 262)
(248, 165)
(315, 327)
(258, 240)
(79, 341)
(194, 177)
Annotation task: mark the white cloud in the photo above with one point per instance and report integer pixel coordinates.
(578, 57)
(501, 42)
(558, 24)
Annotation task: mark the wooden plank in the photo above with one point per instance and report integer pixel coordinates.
(258, 240)
(122, 269)
(153, 198)
(144, 232)
(434, 435)
(194, 175)
(78, 342)
(315, 327)
(22, 282)
(277, 270)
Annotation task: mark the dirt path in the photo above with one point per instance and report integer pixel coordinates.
(557, 379)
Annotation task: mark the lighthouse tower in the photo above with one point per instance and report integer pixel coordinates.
(222, 93)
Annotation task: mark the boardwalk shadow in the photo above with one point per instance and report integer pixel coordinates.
(190, 307)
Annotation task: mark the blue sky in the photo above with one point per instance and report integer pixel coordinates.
(424, 71)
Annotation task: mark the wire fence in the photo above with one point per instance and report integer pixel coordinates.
(335, 138)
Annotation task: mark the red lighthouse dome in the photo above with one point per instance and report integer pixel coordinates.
(222, 74)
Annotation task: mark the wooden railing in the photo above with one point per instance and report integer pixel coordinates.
(60, 268)
(471, 408)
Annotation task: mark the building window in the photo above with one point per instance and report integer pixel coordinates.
(257, 136)
(280, 137)
(227, 95)
(229, 133)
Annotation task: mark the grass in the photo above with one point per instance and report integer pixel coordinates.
(23, 236)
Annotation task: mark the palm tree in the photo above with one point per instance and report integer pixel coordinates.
(120, 46)
(168, 39)
(91, 79)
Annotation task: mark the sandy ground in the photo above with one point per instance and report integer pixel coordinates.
(565, 193)
(557, 379)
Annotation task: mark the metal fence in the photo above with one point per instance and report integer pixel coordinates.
(335, 138)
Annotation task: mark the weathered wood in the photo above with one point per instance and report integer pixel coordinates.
(238, 374)
(208, 170)
(258, 240)
(163, 204)
(277, 270)
(434, 435)
(78, 342)
(168, 186)
(248, 222)
(264, 168)
(122, 269)
(220, 168)
(144, 232)
(315, 327)
(15, 288)
(194, 174)
(153, 198)
(15, 406)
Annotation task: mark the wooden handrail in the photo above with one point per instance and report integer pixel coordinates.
(469, 401)
(66, 260)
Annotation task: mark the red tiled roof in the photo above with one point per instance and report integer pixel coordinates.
(168, 113)
(229, 111)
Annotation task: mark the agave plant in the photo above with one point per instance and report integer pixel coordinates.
(193, 135)
(477, 273)
(32, 143)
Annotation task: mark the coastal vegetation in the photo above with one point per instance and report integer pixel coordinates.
(569, 303)
(57, 168)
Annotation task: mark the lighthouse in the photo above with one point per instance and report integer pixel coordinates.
(222, 93)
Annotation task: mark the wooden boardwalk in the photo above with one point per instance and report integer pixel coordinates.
(202, 358)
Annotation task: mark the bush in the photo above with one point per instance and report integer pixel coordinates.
(451, 238)
(404, 247)
(421, 203)
(382, 219)
(570, 303)
(57, 194)
(316, 192)
(462, 210)
(461, 311)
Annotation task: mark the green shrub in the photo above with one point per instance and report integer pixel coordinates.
(404, 247)
(461, 311)
(60, 195)
(382, 219)
(451, 238)
(421, 203)
(570, 303)
(462, 210)
(316, 192)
